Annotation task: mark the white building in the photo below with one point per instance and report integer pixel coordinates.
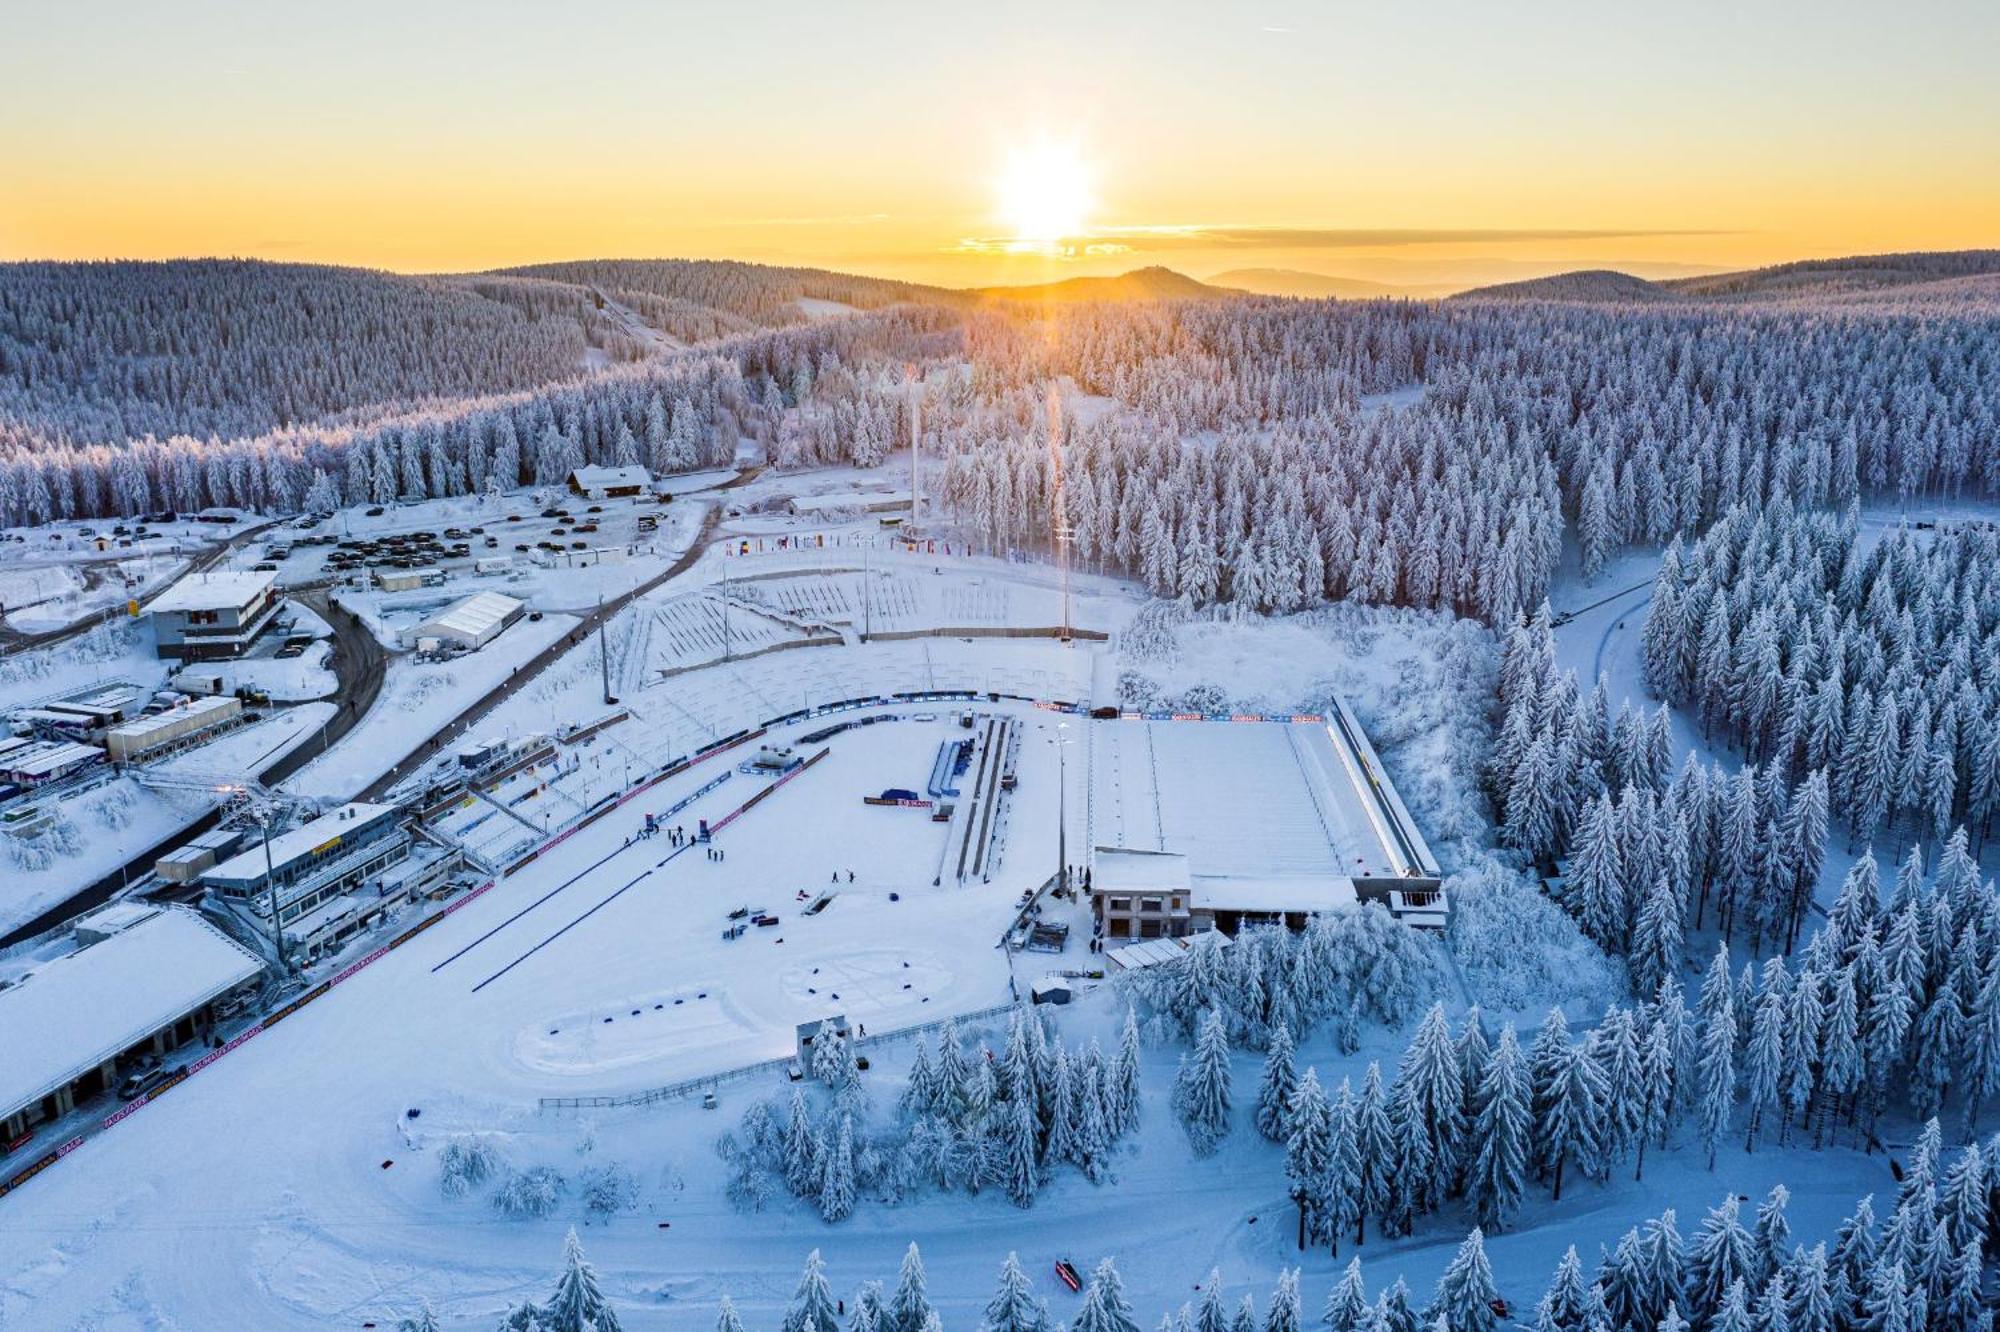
(48, 761)
(610, 482)
(210, 615)
(470, 624)
(193, 723)
(144, 981)
(1221, 822)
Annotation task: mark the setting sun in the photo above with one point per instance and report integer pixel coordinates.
(1044, 194)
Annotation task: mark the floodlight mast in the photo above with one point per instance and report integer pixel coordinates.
(1059, 525)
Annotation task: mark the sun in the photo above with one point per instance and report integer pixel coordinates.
(1044, 193)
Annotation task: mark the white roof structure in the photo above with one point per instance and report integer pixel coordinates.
(1287, 893)
(161, 721)
(610, 478)
(1124, 870)
(225, 589)
(55, 756)
(1258, 800)
(869, 500)
(474, 620)
(74, 1013)
(288, 846)
(1152, 952)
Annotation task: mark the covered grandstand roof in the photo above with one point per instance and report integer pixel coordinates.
(74, 1013)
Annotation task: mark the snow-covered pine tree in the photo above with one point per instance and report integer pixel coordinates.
(577, 1305)
(1495, 1176)
(1013, 1307)
(836, 1183)
(1715, 1089)
(1202, 1090)
(1276, 1086)
(1308, 1150)
(1466, 1293)
(910, 1304)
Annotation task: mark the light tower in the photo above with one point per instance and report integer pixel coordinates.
(916, 389)
(1059, 524)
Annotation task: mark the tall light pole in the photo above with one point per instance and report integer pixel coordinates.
(1062, 805)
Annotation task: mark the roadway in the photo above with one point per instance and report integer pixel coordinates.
(359, 665)
(13, 640)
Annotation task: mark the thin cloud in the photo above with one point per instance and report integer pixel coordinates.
(1345, 238)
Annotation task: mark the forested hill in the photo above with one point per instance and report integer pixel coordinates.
(695, 300)
(105, 352)
(1955, 277)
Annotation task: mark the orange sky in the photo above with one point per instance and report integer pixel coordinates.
(1333, 138)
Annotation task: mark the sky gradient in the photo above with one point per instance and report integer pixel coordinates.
(1396, 142)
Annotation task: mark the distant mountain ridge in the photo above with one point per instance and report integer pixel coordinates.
(1141, 284)
(1323, 286)
(1951, 276)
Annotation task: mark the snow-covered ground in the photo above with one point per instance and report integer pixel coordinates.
(288, 1186)
(416, 699)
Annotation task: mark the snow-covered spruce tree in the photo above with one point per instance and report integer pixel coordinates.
(811, 1309)
(910, 1304)
(836, 1182)
(1013, 1307)
(726, 1317)
(1284, 1314)
(1308, 1154)
(1716, 1077)
(1276, 1086)
(1465, 1293)
(1202, 1088)
(1496, 1176)
(577, 1305)
(1347, 1304)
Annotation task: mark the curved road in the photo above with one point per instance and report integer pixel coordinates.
(358, 664)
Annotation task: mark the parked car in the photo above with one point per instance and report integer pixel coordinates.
(375, 511)
(140, 1083)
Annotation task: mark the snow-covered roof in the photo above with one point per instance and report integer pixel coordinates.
(850, 499)
(51, 757)
(74, 1013)
(223, 589)
(1152, 952)
(160, 721)
(1296, 892)
(610, 478)
(289, 846)
(1123, 870)
(474, 617)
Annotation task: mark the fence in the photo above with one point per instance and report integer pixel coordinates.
(708, 1081)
